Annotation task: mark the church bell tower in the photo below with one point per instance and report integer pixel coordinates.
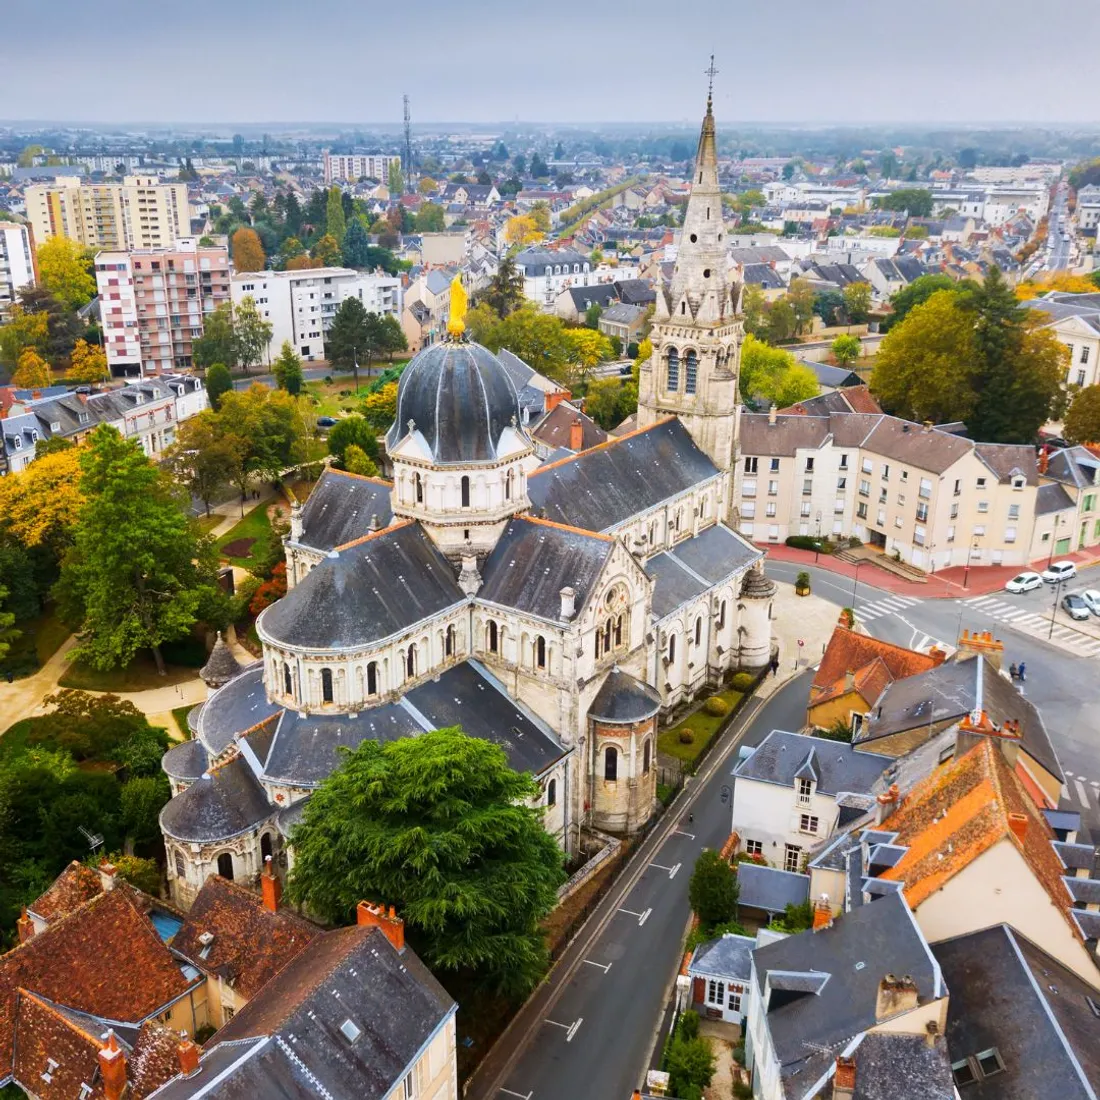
(697, 331)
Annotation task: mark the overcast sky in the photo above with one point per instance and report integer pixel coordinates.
(252, 61)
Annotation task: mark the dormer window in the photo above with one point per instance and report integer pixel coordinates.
(805, 789)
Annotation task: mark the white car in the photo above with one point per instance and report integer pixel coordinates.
(1092, 600)
(1024, 582)
(1059, 571)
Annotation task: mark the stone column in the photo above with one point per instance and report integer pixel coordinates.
(757, 593)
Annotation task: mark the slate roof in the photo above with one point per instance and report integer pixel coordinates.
(762, 275)
(624, 699)
(534, 560)
(555, 429)
(350, 974)
(622, 313)
(186, 761)
(1008, 460)
(769, 888)
(75, 885)
(583, 296)
(224, 802)
(367, 590)
(238, 706)
(1052, 497)
(809, 1031)
(729, 956)
(635, 291)
(1009, 994)
(602, 487)
(221, 666)
(839, 766)
(105, 958)
(340, 509)
(1075, 466)
(902, 1067)
(250, 945)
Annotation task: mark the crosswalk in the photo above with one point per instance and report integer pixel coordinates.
(1022, 618)
(885, 605)
(1083, 792)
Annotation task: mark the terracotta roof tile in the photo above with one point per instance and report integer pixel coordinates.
(960, 811)
(45, 1035)
(251, 944)
(155, 1059)
(851, 652)
(104, 958)
(74, 886)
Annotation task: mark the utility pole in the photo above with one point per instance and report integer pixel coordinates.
(408, 147)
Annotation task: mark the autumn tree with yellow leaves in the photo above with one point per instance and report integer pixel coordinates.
(89, 363)
(32, 371)
(522, 230)
(65, 270)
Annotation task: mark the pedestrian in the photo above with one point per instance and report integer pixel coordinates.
(1013, 671)
(1023, 672)
(775, 663)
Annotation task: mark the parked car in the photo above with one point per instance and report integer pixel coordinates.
(1092, 600)
(325, 421)
(1075, 606)
(1059, 571)
(1024, 582)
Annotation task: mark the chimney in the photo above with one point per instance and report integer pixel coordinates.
(771, 413)
(576, 435)
(375, 916)
(25, 927)
(895, 995)
(1044, 461)
(885, 803)
(927, 426)
(568, 603)
(938, 655)
(83, 398)
(823, 914)
(1018, 824)
(272, 887)
(35, 395)
(107, 873)
(553, 400)
(844, 1080)
(112, 1068)
(981, 641)
(188, 1052)
(849, 680)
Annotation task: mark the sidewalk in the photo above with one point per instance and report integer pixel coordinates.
(24, 697)
(231, 509)
(944, 584)
(806, 619)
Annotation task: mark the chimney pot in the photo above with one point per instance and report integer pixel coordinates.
(107, 873)
(188, 1052)
(844, 1080)
(823, 913)
(1018, 824)
(25, 927)
(576, 434)
(271, 886)
(772, 413)
(370, 915)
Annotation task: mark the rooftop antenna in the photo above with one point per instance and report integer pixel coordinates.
(408, 146)
(710, 72)
(95, 840)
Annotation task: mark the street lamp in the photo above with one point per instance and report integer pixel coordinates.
(970, 550)
(355, 367)
(855, 585)
(1054, 609)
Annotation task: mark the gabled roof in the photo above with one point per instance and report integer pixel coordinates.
(250, 943)
(840, 767)
(556, 427)
(75, 885)
(848, 651)
(769, 888)
(695, 564)
(341, 507)
(728, 956)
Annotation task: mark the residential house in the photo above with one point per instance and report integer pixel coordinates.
(427, 303)
(843, 1006)
(1075, 321)
(355, 1016)
(850, 397)
(766, 278)
(1069, 519)
(479, 195)
(720, 976)
(563, 430)
(888, 276)
(627, 322)
(854, 672)
(785, 794)
(546, 273)
(1088, 207)
(572, 303)
(765, 892)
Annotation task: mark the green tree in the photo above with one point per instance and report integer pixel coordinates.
(356, 462)
(253, 332)
(857, 302)
(352, 431)
(782, 321)
(93, 728)
(326, 252)
(800, 295)
(218, 382)
(846, 350)
(266, 429)
(142, 874)
(356, 247)
(540, 215)
(771, 376)
(351, 332)
(916, 293)
(442, 828)
(287, 369)
(609, 401)
(925, 366)
(915, 201)
(754, 308)
(592, 315)
(218, 342)
(23, 330)
(137, 573)
(140, 803)
(8, 633)
(504, 294)
(203, 458)
(63, 326)
(335, 221)
(430, 219)
(691, 1064)
(713, 888)
(395, 180)
(1083, 418)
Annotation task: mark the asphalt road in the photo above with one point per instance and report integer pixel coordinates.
(1064, 686)
(594, 1039)
(1058, 248)
(311, 374)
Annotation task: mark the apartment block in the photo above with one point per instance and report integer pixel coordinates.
(354, 167)
(301, 304)
(140, 212)
(16, 263)
(153, 303)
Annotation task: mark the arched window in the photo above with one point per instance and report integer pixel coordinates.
(265, 847)
(551, 792)
(611, 764)
(691, 371)
(418, 483)
(671, 648)
(699, 630)
(180, 869)
(449, 641)
(673, 375)
(465, 491)
(372, 678)
(225, 866)
(288, 683)
(721, 614)
(410, 661)
(326, 685)
(607, 635)
(508, 482)
(619, 631)
(645, 757)
(540, 652)
(492, 637)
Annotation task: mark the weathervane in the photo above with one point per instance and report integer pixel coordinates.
(711, 72)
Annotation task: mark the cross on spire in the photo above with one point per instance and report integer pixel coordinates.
(710, 72)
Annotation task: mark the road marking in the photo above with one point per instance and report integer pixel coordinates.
(680, 832)
(521, 1095)
(604, 967)
(569, 1029)
(671, 870)
(1081, 792)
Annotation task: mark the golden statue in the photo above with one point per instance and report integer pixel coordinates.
(456, 322)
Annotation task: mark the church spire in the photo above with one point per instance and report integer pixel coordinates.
(700, 289)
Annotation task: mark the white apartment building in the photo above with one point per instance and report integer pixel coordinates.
(1088, 207)
(140, 212)
(932, 498)
(16, 264)
(1075, 321)
(351, 168)
(301, 304)
(1005, 203)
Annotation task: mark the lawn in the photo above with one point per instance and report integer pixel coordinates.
(40, 640)
(14, 740)
(704, 726)
(183, 659)
(180, 715)
(208, 523)
(237, 543)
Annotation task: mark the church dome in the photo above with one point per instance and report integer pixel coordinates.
(460, 399)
